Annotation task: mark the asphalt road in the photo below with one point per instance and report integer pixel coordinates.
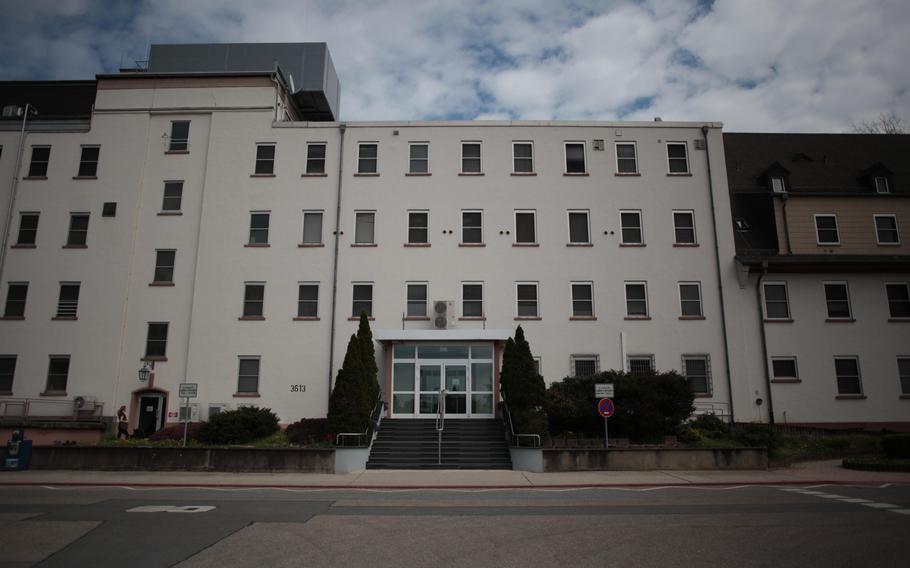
(675, 526)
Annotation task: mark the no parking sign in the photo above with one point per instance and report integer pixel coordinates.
(606, 408)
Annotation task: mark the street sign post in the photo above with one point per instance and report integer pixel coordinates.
(603, 390)
(187, 391)
(606, 408)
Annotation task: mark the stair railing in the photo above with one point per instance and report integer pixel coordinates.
(375, 418)
(515, 439)
(440, 423)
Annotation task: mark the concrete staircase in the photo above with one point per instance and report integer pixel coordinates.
(466, 444)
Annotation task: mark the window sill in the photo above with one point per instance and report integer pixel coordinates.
(580, 245)
(902, 397)
(366, 174)
(634, 318)
(528, 318)
(417, 174)
(523, 174)
(899, 320)
(64, 318)
(788, 320)
(470, 174)
(472, 245)
(6, 393)
(169, 213)
(823, 245)
(251, 318)
(363, 245)
(262, 175)
(679, 174)
(314, 175)
(246, 395)
(416, 318)
(582, 318)
(632, 245)
(370, 318)
(888, 244)
(52, 393)
(257, 245)
(840, 320)
(29, 178)
(85, 177)
(152, 358)
(627, 174)
(850, 397)
(161, 284)
(13, 318)
(691, 317)
(306, 318)
(576, 174)
(472, 318)
(703, 395)
(176, 151)
(531, 245)
(416, 245)
(311, 245)
(786, 381)
(74, 246)
(685, 245)
(23, 246)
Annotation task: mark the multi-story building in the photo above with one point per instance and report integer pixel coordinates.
(211, 217)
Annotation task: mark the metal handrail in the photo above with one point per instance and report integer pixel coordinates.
(375, 417)
(440, 423)
(517, 437)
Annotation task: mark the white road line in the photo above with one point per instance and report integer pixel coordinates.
(901, 511)
(832, 496)
(854, 500)
(881, 505)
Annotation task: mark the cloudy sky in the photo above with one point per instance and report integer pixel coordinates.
(756, 65)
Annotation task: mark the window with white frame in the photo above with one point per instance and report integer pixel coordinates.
(368, 158)
(522, 157)
(470, 158)
(164, 266)
(630, 228)
(362, 299)
(259, 227)
(526, 227)
(903, 372)
(882, 185)
(684, 227)
(784, 369)
(846, 369)
(68, 300)
(265, 159)
(690, 300)
(248, 374)
(58, 370)
(312, 227)
(898, 299)
(173, 196)
(579, 227)
(419, 158)
(582, 299)
(416, 299)
(584, 365)
(472, 227)
(837, 300)
(526, 293)
(777, 302)
(418, 227)
(28, 229)
(778, 185)
(636, 299)
(886, 232)
(677, 158)
(640, 364)
(315, 158)
(41, 156)
(364, 227)
(626, 158)
(156, 340)
(826, 230)
(308, 300)
(697, 369)
(575, 158)
(253, 299)
(78, 233)
(472, 299)
(180, 136)
(7, 373)
(88, 161)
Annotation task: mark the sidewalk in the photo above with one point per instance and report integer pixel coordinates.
(810, 473)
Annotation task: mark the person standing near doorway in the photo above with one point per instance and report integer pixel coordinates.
(122, 424)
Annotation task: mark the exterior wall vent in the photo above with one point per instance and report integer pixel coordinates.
(699, 144)
(599, 144)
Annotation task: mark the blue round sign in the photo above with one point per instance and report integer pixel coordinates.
(605, 407)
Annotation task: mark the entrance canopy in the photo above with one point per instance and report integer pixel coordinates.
(392, 335)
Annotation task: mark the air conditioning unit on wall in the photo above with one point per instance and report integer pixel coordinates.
(85, 403)
(443, 314)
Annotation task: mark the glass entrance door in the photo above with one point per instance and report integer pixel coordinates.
(456, 389)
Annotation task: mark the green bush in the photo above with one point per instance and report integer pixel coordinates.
(308, 431)
(239, 426)
(522, 388)
(175, 432)
(896, 446)
(757, 436)
(351, 402)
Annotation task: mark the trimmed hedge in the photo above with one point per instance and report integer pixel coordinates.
(239, 426)
(308, 431)
(175, 432)
(896, 446)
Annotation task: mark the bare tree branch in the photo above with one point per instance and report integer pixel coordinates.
(888, 123)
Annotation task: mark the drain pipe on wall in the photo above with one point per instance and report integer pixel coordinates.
(720, 281)
(341, 127)
(764, 341)
(14, 186)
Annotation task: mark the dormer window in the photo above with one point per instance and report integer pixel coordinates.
(778, 185)
(881, 185)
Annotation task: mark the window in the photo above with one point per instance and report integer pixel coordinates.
(248, 375)
(156, 340)
(575, 158)
(78, 232)
(364, 227)
(641, 364)
(526, 227)
(16, 293)
(88, 162)
(180, 136)
(697, 369)
(308, 300)
(903, 371)
(259, 228)
(470, 158)
(173, 196)
(848, 379)
(881, 185)
(527, 299)
(362, 300)
(636, 299)
(315, 158)
(837, 299)
(58, 370)
(626, 159)
(472, 299)
(630, 223)
(582, 300)
(109, 209)
(417, 300)
(368, 158)
(418, 227)
(28, 229)
(538, 365)
(778, 185)
(419, 160)
(68, 301)
(777, 303)
(690, 299)
(472, 227)
(522, 157)
(253, 299)
(886, 230)
(41, 155)
(579, 228)
(684, 227)
(164, 266)
(265, 159)
(677, 158)
(312, 227)
(7, 372)
(784, 369)
(898, 299)
(826, 230)
(584, 365)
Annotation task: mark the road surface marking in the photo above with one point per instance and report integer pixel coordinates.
(171, 509)
(881, 505)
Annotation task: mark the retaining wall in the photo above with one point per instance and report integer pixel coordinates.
(649, 459)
